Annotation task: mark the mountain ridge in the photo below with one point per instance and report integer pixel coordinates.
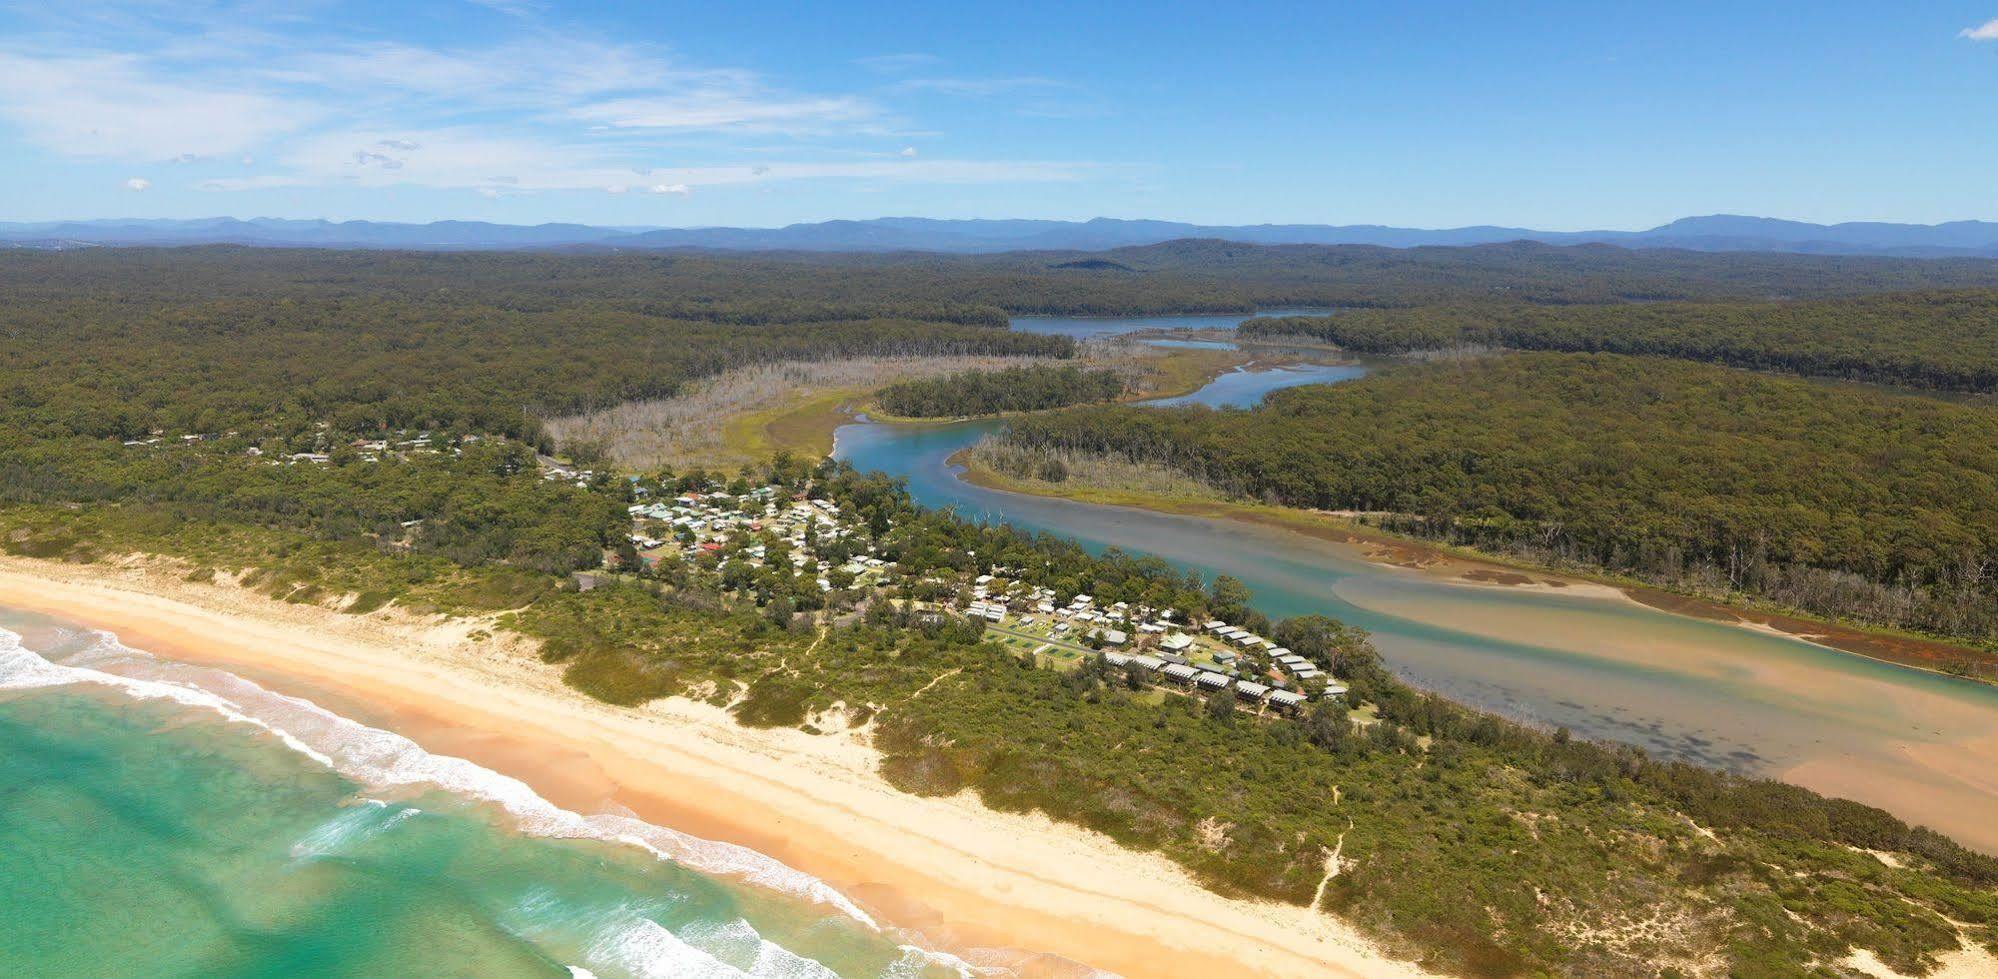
(1713, 232)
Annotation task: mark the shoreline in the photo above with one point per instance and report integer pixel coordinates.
(1478, 570)
(808, 428)
(960, 875)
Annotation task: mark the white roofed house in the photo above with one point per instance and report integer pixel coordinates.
(1178, 642)
(1287, 701)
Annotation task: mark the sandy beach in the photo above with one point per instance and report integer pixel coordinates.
(962, 876)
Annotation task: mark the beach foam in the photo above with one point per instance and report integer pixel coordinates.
(386, 763)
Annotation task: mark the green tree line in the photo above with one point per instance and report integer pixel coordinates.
(1946, 340)
(1850, 502)
(1173, 277)
(1032, 388)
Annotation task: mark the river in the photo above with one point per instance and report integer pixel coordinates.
(1920, 745)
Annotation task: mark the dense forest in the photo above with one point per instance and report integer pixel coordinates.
(1032, 388)
(1180, 276)
(1946, 340)
(1874, 506)
(1474, 844)
(107, 369)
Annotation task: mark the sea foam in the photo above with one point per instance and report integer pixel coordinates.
(384, 762)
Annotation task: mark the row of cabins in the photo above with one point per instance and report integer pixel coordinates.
(1289, 702)
(1115, 623)
(1285, 660)
(990, 612)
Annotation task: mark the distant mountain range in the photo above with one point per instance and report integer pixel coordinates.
(1719, 232)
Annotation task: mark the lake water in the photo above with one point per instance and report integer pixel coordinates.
(162, 819)
(1920, 745)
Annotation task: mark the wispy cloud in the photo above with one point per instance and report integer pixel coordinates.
(119, 107)
(516, 8)
(138, 183)
(1987, 31)
(1026, 95)
(980, 86)
(723, 109)
(278, 103)
(469, 159)
(895, 63)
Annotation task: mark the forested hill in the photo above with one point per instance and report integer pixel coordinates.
(1946, 340)
(1179, 276)
(1851, 502)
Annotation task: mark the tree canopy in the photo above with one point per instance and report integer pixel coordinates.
(1629, 463)
(1946, 340)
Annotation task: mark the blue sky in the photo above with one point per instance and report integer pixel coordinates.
(1548, 115)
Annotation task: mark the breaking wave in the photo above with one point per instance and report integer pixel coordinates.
(383, 762)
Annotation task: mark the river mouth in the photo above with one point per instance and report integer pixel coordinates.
(1920, 745)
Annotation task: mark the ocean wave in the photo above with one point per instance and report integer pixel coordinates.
(385, 762)
(737, 943)
(22, 668)
(353, 826)
(640, 946)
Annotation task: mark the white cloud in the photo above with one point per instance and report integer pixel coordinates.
(138, 183)
(725, 110)
(1987, 31)
(114, 106)
(466, 157)
(549, 112)
(546, 72)
(980, 87)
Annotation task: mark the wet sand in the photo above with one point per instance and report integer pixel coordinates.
(1920, 745)
(964, 877)
(1700, 682)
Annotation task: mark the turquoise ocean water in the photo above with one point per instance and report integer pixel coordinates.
(162, 819)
